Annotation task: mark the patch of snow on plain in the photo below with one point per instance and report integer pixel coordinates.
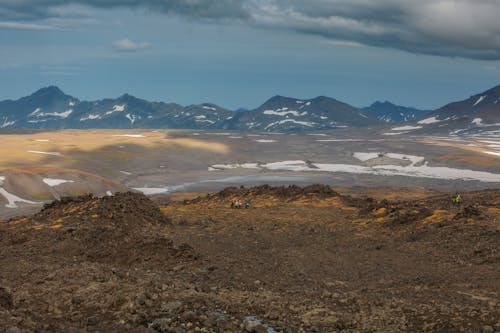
(71, 103)
(55, 182)
(216, 167)
(479, 100)
(158, 190)
(54, 153)
(152, 190)
(126, 173)
(394, 133)
(265, 141)
(476, 121)
(2, 179)
(413, 170)
(492, 153)
(109, 193)
(363, 157)
(200, 117)
(406, 128)
(427, 121)
(209, 108)
(299, 102)
(12, 199)
(42, 140)
(294, 165)
(308, 103)
(131, 135)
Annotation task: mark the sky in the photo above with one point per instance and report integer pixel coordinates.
(239, 53)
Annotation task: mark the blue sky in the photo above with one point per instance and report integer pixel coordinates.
(238, 53)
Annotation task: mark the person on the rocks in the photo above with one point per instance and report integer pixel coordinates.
(456, 200)
(246, 203)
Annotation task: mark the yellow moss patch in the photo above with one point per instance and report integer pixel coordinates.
(21, 220)
(56, 226)
(438, 215)
(494, 211)
(381, 211)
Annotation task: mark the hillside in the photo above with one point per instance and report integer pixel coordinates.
(391, 113)
(289, 114)
(312, 259)
(478, 114)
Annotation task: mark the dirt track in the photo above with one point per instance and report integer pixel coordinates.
(298, 260)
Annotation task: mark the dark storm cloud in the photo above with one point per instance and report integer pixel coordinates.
(463, 28)
(210, 9)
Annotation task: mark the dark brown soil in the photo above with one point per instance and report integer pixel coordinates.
(298, 260)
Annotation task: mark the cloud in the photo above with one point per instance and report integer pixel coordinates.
(126, 45)
(452, 28)
(25, 26)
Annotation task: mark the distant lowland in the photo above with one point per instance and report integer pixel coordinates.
(51, 108)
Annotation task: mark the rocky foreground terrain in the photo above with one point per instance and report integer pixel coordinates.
(298, 260)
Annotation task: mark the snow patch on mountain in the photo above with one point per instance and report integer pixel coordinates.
(7, 123)
(56, 182)
(119, 108)
(132, 117)
(428, 121)
(281, 122)
(283, 112)
(479, 100)
(12, 199)
(406, 128)
(91, 117)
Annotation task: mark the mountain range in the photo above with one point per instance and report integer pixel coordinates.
(51, 108)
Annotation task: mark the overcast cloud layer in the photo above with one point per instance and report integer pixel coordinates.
(463, 28)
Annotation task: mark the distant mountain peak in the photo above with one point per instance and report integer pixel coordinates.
(49, 91)
(379, 103)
